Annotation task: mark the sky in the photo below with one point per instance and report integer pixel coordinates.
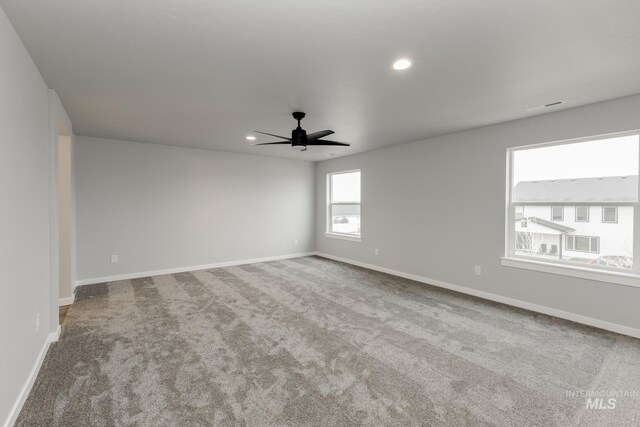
(600, 158)
(346, 187)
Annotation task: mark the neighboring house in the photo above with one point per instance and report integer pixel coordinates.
(583, 219)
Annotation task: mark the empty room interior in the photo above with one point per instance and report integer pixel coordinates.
(320, 213)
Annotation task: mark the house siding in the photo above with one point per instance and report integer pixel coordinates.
(615, 238)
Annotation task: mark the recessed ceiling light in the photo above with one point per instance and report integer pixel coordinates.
(251, 138)
(401, 64)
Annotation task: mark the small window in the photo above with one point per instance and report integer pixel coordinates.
(610, 214)
(582, 213)
(343, 216)
(557, 213)
(583, 244)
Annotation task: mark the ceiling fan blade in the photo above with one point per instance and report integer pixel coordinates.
(270, 134)
(320, 134)
(325, 142)
(277, 142)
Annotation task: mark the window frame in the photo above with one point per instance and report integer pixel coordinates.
(625, 277)
(330, 204)
(561, 213)
(575, 236)
(616, 213)
(576, 213)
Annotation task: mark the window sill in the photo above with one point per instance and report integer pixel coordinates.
(626, 279)
(343, 237)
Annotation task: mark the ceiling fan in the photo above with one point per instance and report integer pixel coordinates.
(299, 137)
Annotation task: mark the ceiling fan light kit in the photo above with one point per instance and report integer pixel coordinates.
(300, 138)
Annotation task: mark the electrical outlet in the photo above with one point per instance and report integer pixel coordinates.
(376, 251)
(114, 259)
(37, 322)
(477, 270)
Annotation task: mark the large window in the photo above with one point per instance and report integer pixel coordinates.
(343, 195)
(585, 175)
(583, 243)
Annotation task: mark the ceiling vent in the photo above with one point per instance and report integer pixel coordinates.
(543, 106)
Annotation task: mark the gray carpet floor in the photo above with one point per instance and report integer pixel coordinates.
(310, 341)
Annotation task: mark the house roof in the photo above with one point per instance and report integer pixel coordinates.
(550, 224)
(614, 189)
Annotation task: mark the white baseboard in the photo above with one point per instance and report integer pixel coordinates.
(54, 336)
(26, 388)
(67, 301)
(613, 327)
(128, 276)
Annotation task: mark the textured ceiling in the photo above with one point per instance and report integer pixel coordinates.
(205, 73)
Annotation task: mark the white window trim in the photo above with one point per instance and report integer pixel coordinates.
(631, 278)
(333, 234)
(608, 276)
(342, 236)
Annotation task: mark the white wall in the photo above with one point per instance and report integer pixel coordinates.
(65, 218)
(160, 207)
(24, 215)
(435, 209)
(62, 245)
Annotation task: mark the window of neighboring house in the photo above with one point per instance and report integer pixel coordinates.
(583, 244)
(545, 178)
(582, 213)
(557, 213)
(610, 214)
(343, 205)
